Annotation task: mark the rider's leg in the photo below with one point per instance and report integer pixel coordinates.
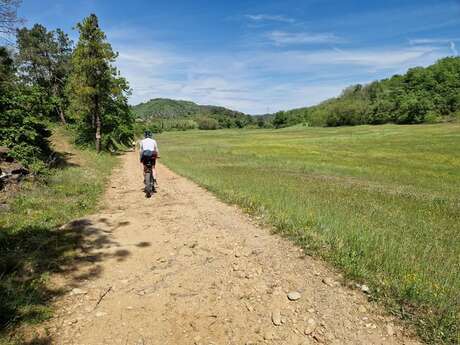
(154, 169)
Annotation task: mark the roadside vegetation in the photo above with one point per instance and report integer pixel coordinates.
(47, 80)
(31, 245)
(380, 202)
(49, 85)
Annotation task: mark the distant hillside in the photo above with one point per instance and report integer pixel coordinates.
(170, 114)
(167, 108)
(422, 95)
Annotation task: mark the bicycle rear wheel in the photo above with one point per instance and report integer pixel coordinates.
(148, 183)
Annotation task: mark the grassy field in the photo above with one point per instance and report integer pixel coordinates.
(31, 247)
(382, 203)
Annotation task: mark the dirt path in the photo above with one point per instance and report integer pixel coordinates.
(185, 268)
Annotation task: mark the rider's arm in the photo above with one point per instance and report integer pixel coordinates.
(141, 150)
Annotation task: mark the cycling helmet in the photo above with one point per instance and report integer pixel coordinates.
(147, 134)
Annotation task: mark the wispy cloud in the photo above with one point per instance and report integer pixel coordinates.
(453, 48)
(269, 17)
(436, 41)
(286, 38)
(252, 81)
(425, 41)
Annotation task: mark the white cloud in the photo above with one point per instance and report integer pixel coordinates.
(319, 61)
(425, 41)
(253, 81)
(285, 38)
(453, 48)
(268, 17)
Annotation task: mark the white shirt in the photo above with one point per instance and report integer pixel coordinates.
(148, 144)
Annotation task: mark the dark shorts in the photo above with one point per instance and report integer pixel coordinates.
(149, 160)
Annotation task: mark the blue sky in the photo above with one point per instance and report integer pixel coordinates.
(261, 56)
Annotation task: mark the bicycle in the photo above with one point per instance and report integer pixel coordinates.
(149, 179)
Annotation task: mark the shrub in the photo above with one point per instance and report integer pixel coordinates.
(207, 123)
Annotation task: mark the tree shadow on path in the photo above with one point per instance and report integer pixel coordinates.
(29, 255)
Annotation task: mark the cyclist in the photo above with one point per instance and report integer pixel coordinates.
(149, 152)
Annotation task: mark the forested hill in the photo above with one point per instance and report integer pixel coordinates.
(166, 108)
(422, 95)
(179, 113)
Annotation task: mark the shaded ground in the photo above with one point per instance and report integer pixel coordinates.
(185, 268)
(34, 247)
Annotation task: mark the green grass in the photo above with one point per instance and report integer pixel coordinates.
(382, 203)
(31, 245)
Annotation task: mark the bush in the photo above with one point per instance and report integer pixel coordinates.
(207, 123)
(22, 125)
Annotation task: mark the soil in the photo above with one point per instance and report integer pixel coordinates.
(185, 268)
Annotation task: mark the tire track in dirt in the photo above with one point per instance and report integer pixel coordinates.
(185, 268)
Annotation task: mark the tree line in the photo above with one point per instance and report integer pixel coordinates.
(422, 95)
(45, 79)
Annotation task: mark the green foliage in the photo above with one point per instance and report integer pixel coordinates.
(207, 123)
(280, 120)
(161, 108)
(380, 202)
(97, 94)
(422, 95)
(23, 113)
(44, 60)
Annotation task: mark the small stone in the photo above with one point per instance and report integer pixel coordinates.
(257, 251)
(293, 296)
(4, 207)
(328, 281)
(268, 335)
(390, 330)
(276, 317)
(362, 309)
(100, 314)
(78, 291)
(365, 289)
(319, 337)
(311, 326)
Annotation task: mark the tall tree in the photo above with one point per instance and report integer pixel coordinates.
(9, 17)
(23, 110)
(96, 92)
(44, 60)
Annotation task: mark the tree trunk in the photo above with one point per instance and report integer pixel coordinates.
(61, 115)
(97, 118)
(98, 133)
(58, 106)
